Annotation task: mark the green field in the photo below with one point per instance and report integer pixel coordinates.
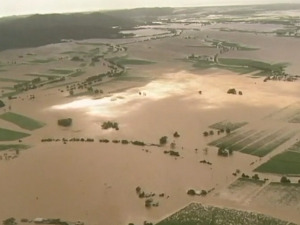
(11, 93)
(204, 64)
(258, 65)
(22, 121)
(197, 214)
(8, 88)
(42, 75)
(61, 71)
(258, 143)
(77, 73)
(241, 66)
(61, 85)
(13, 80)
(238, 46)
(10, 135)
(129, 61)
(14, 147)
(43, 60)
(285, 163)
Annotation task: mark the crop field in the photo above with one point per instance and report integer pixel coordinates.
(61, 71)
(11, 93)
(77, 73)
(258, 65)
(49, 76)
(12, 80)
(43, 60)
(197, 214)
(241, 190)
(290, 114)
(231, 139)
(258, 143)
(241, 66)
(129, 61)
(242, 182)
(285, 163)
(61, 85)
(227, 125)
(22, 121)
(11, 135)
(13, 147)
(280, 194)
(238, 46)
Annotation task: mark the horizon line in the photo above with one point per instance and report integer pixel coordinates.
(146, 7)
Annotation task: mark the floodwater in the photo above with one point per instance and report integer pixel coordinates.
(96, 182)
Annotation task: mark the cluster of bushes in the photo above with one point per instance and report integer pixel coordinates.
(225, 152)
(234, 92)
(172, 153)
(208, 133)
(9, 221)
(254, 177)
(192, 192)
(206, 162)
(65, 122)
(139, 143)
(221, 131)
(68, 140)
(236, 172)
(104, 141)
(84, 85)
(149, 202)
(77, 59)
(109, 124)
(124, 142)
(145, 223)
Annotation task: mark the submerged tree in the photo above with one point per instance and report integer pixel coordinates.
(163, 140)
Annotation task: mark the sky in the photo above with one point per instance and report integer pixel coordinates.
(24, 7)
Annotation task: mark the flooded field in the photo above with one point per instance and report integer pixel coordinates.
(133, 128)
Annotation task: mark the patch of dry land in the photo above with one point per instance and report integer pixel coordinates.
(128, 130)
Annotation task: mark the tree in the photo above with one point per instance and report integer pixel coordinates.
(176, 135)
(1, 104)
(110, 124)
(231, 91)
(9, 221)
(223, 152)
(65, 122)
(138, 189)
(255, 177)
(285, 180)
(148, 202)
(203, 193)
(205, 134)
(191, 192)
(163, 140)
